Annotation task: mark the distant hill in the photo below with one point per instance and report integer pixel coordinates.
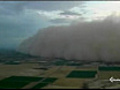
(10, 53)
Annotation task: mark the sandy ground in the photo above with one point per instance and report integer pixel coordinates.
(70, 82)
(19, 70)
(108, 74)
(62, 72)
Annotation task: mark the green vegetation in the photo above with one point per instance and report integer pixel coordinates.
(50, 80)
(12, 85)
(40, 85)
(13, 54)
(17, 82)
(22, 79)
(74, 64)
(112, 68)
(60, 62)
(12, 63)
(82, 74)
(44, 83)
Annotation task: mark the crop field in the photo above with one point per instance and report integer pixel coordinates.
(62, 72)
(44, 83)
(40, 85)
(56, 77)
(12, 85)
(108, 74)
(82, 74)
(60, 62)
(49, 80)
(109, 68)
(74, 64)
(17, 82)
(69, 82)
(24, 69)
(22, 79)
(91, 68)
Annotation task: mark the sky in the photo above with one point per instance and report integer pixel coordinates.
(20, 20)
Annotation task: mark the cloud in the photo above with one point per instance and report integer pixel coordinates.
(15, 7)
(11, 8)
(53, 5)
(20, 26)
(50, 14)
(60, 17)
(70, 13)
(60, 21)
(95, 40)
(20, 19)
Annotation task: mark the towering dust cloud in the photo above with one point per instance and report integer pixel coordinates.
(96, 40)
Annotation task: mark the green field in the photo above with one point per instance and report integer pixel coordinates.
(22, 79)
(17, 82)
(82, 74)
(44, 83)
(40, 85)
(60, 62)
(12, 85)
(112, 68)
(74, 64)
(49, 80)
(70, 75)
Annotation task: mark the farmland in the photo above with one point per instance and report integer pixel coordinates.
(56, 74)
(82, 74)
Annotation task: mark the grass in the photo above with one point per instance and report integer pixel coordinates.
(82, 74)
